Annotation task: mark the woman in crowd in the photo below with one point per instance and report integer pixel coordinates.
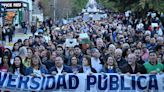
(45, 55)
(31, 42)
(37, 51)
(126, 52)
(17, 68)
(7, 51)
(86, 66)
(15, 50)
(69, 54)
(111, 66)
(20, 42)
(36, 68)
(26, 43)
(23, 54)
(5, 63)
(74, 66)
(27, 61)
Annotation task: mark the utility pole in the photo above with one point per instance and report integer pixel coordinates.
(53, 9)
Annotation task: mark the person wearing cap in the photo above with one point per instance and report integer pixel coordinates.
(153, 66)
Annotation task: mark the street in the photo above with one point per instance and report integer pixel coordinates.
(81, 45)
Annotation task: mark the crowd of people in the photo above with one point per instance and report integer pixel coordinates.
(7, 31)
(116, 44)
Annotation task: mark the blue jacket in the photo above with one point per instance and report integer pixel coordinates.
(42, 68)
(65, 69)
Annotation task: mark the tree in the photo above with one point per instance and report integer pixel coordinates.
(135, 5)
(78, 5)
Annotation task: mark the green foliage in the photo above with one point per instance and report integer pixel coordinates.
(78, 5)
(116, 5)
(135, 5)
(108, 4)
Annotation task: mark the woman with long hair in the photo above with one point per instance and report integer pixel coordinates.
(27, 61)
(36, 68)
(86, 66)
(17, 68)
(15, 50)
(5, 63)
(110, 66)
(74, 64)
(7, 52)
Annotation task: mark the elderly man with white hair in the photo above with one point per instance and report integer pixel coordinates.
(133, 67)
(118, 56)
(111, 49)
(160, 41)
(23, 52)
(97, 64)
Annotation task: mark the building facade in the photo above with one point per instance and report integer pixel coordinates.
(17, 11)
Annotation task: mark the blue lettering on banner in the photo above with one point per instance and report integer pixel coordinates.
(23, 81)
(102, 80)
(3, 77)
(11, 81)
(50, 83)
(35, 82)
(123, 84)
(73, 80)
(114, 82)
(91, 80)
(153, 82)
(43, 82)
(61, 82)
(163, 82)
(69, 82)
(140, 86)
(133, 83)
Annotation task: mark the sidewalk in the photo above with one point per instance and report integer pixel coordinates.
(18, 35)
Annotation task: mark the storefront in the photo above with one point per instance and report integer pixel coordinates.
(17, 11)
(2, 14)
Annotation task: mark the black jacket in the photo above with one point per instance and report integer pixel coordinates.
(122, 62)
(49, 64)
(82, 71)
(138, 69)
(66, 69)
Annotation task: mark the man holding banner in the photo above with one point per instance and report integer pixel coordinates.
(133, 67)
(59, 67)
(153, 66)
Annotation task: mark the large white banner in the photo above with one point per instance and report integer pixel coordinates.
(83, 83)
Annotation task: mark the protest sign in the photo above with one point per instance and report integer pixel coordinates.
(83, 82)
